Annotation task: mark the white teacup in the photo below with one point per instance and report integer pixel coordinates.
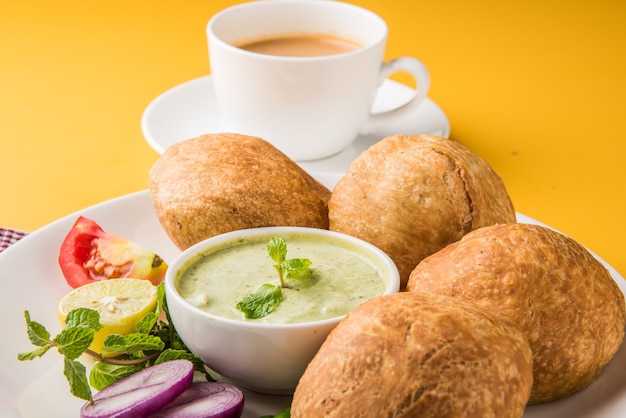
(309, 107)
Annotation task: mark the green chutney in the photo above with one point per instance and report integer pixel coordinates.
(341, 279)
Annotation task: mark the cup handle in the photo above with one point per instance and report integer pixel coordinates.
(422, 78)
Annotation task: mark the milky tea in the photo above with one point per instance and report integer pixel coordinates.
(300, 45)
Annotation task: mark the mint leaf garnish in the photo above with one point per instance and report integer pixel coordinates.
(73, 342)
(104, 374)
(133, 344)
(293, 268)
(296, 268)
(268, 297)
(171, 354)
(31, 355)
(37, 333)
(277, 249)
(76, 375)
(83, 318)
(262, 302)
(147, 323)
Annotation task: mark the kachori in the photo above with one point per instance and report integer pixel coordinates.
(562, 298)
(411, 195)
(417, 355)
(217, 183)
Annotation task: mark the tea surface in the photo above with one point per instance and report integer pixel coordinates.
(307, 45)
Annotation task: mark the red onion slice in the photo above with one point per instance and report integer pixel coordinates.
(205, 400)
(141, 393)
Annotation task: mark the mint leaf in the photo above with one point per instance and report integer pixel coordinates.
(277, 249)
(104, 374)
(34, 354)
(76, 375)
(262, 302)
(164, 330)
(133, 344)
(171, 354)
(198, 365)
(72, 342)
(37, 333)
(83, 318)
(297, 268)
(147, 323)
(161, 302)
(38, 336)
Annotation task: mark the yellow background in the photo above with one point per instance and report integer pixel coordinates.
(536, 87)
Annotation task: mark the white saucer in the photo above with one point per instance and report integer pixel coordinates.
(189, 110)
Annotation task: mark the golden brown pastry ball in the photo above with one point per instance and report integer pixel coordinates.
(218, 183)
(411, 195)
(560, 296)
(417, 355)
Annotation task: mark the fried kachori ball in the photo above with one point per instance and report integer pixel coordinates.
(562, 298)
(217, 183)
(417, 354)
(412, 195)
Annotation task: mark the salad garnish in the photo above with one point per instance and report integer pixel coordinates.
(155, 341)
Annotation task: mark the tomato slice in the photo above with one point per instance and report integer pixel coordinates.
(89, 254)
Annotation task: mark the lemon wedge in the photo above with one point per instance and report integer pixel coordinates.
(121, 303)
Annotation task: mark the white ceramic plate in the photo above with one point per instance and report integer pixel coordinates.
(189, 110)
(32, 281)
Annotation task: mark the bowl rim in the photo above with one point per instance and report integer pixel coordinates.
(181, 260)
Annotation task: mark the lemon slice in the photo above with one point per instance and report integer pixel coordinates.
(120, 302)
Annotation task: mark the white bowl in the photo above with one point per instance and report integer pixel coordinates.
(260, 356)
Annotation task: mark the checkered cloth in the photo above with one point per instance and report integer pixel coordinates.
(9, 237)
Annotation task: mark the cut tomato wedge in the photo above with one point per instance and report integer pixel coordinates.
(89, 254)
